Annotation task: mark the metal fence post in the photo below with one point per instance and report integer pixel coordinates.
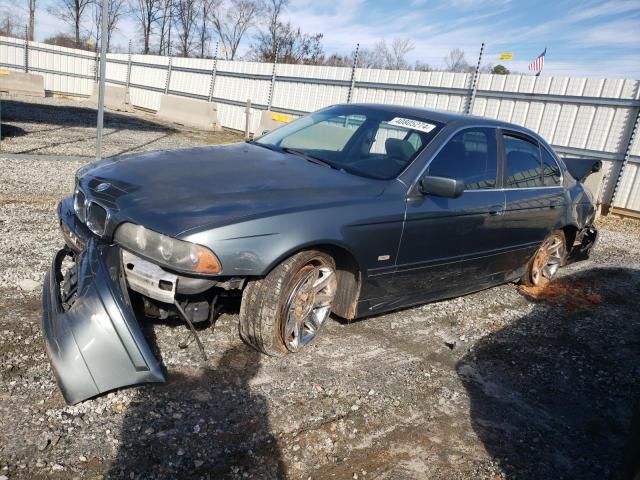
(129, 67)
(627, 154)
(352, 84)
(101, 86)
(168, 79)
(273, 78)
(247, 119)
(26, 50)
(212, 83)
(474, 82)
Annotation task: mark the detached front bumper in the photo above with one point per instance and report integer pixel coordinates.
(96, 345)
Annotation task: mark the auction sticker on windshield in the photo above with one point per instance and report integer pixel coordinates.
(412, 124)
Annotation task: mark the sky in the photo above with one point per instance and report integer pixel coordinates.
(594, 38)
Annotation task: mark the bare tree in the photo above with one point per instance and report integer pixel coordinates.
(420, 66)
(368, 58)
(292, 45)
(64, 40)
(337, 60)
(147, 12)
(297, 47)
(165, 22)
(455, 61)
(231, 21)
(70, 12)
(11, 24)
(392, 56)
(32, 19)
(206, 7)
(267, 39)
(116, 9)
(186, 15)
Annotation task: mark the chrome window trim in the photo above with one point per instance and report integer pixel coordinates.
(509, 189)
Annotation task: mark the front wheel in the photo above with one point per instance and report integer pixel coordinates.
(285, 311)
(546, 262)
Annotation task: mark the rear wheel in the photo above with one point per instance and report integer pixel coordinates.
(285, 311)
(544, 265)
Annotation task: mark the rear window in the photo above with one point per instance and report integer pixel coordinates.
(551, 175)
(524, 169)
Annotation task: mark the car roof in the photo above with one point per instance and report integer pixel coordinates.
(442, 116)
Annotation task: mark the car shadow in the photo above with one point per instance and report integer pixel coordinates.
(72, 116)
(209, 424)
(553, 394)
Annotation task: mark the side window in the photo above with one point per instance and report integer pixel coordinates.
(523, 163)
(470, 156)
(551, 174)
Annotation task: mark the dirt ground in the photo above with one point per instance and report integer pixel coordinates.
(63, 126)
(502, 384)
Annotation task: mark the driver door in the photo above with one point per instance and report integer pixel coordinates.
(452, 245)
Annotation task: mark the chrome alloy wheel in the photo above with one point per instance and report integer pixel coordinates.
(548, 260)
(309, 305)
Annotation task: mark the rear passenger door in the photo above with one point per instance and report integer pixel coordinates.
(534, 195)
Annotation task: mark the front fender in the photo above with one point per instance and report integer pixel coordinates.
(370, 230)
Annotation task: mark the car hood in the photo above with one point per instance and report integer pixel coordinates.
(181, 191)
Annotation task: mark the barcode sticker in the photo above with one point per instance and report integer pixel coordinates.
(412, 124)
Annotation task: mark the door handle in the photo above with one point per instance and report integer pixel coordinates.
(496, 210)
(553, 204)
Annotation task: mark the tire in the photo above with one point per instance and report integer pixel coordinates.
(270, 305)
(544, 265)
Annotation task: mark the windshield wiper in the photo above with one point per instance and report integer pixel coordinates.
(309, 158)
(263, 145)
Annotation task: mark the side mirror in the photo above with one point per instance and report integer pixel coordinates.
(441, 186)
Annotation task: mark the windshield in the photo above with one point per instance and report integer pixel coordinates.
(360, 140)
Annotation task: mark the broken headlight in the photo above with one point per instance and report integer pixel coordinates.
(170, 252)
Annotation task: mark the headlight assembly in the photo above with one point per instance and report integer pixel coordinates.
(170, 252)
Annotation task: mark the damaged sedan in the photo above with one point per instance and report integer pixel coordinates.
(353, 210)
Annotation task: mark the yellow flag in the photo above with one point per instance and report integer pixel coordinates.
(506, 56)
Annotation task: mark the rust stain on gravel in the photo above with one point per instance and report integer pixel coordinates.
(571, 295)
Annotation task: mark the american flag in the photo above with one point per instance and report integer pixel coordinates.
(538, 63)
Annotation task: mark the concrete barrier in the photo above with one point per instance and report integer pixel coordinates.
(19, 83)
(115, 97)
(270, 121)
(189, 112)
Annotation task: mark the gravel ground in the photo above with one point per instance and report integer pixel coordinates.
(500, 384)
(66, 126)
